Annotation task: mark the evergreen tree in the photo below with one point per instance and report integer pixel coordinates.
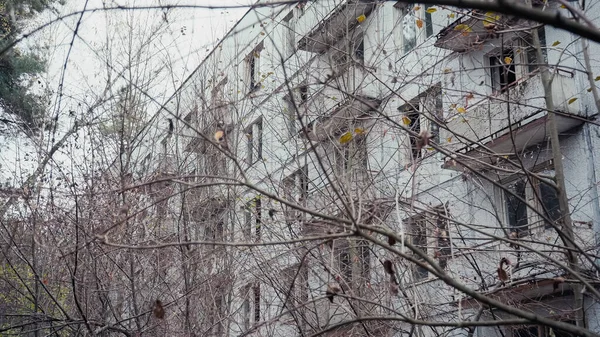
(16, 66)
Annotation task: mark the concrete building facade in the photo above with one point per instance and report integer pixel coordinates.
(424, 121)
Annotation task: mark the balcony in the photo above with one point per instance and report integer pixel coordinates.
(475, 28)
(336, 25)
(350, 110)
(487, 123)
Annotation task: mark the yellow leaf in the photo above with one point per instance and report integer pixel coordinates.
(556, 43)
(405, 120)
(563, 6)
(359, 131)
(490, 19)
(461, 110)
(219, 135)
(589, 89)
(451, 15)
(431, 10)
(508, 60)
(419, 23)
(572, 100)
(452, 106)
(597, 78)
(361, 18)
(345, 138)
(449, 139)
(417, 8)
(464, 28)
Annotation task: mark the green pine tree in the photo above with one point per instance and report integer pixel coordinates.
(16, 66)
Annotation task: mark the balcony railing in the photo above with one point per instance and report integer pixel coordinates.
(336, 25)
(487, 123)
(475, 28)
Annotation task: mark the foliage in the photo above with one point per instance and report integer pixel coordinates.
(17, 67)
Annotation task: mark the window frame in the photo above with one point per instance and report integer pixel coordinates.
(290, 116)
(251, 305)
(533, 199)
(253, 68)
(253, 220)
(254, 145)
(295, 188)
(522, 53)
(403, 9)
(425, 112)
(290, 34)
(350, 160)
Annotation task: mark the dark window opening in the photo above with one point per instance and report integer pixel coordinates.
(517, 209)
(246, 312)
(428, 22)
(258, 219)
(252, 70)
(247, 221)
(443, 239)
(303, 93)
(415, 126)
(346, 265)
(437, 116)
(550, 204)
(254, 142)
(365, 260)
(295, 190)
(419, 240)
(256, 291)
(359, 51)
(503, 71)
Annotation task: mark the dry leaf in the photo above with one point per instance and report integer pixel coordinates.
(508, 60)
(159, 311)
(219, 135)
(464, 28)
(419, 23)
(346, 137)
(451, 15)
(388, 267)
(447, 70)
(597, 78)
(449, 139)
(490, 19)
(406, 120)
(572, 100)
(556, 43)
(359, 131)
(417, 8)
(461, 110)
(331, 291)
(431, 10)
(361, 18)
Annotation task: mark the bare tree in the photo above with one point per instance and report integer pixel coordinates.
(330, 168)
